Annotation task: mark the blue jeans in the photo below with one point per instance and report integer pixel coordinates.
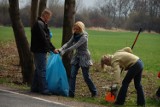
(158, 92)
(39, 83)
(86, 76)
(134, 72)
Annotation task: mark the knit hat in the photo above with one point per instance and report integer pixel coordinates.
(80, 25)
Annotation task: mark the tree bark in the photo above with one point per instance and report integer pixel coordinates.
(26, 58)
(42, 6)
(68, 21)
(34, 11)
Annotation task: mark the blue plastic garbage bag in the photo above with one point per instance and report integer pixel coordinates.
(56, 75)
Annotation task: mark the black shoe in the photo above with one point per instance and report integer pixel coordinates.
(94, 95)
(34, 91)
(118, 103)
(46, 92)
(141, 105)
(71, 95)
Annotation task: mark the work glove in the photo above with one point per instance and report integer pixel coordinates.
(159, 75)
(114, 89)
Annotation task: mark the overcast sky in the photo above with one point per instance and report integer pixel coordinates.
(87, 3)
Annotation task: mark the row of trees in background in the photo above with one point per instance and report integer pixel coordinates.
(124, 14)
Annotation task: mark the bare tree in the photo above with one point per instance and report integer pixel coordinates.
(127, 6)
(26, 59)
(79, 5)
(34, 11)
(42, 6)
(37, 6)
(4, 16)
(53, 3)
(57, 19)
(69, 19)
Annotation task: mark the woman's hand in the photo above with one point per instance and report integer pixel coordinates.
(62, 52)
(56, 51)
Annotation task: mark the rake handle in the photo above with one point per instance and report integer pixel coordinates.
(136, 38)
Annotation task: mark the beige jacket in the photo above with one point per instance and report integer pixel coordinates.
(122, 60)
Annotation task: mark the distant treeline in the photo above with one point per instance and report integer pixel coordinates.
(123, 14)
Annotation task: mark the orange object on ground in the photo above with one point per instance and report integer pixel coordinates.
(110, 97)
(159, 74)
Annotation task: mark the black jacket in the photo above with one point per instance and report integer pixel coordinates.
(40, 39)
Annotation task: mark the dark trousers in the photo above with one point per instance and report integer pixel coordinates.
(158, 92)
(39, 83)
(134, 72)
(86, 76)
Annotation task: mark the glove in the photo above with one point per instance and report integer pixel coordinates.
(50, 34)
(114, 87)
(159, 75)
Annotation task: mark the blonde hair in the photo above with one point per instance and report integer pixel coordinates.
(104, 57)
(102, 61)
(46, 11)
(80, 25)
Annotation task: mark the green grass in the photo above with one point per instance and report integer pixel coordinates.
(4, 80)
(6, 34)
(8, 82)
(102, 42)
(147, 46)
(107, 42)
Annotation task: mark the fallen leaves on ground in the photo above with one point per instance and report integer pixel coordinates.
(9, 68)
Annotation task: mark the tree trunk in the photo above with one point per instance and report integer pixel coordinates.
(42, 6)
(26, 59)
(68, 21)
(34, 11)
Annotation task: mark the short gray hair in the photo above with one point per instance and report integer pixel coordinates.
(46, 11)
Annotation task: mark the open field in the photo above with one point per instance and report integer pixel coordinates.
(103, 42)
(100, 43)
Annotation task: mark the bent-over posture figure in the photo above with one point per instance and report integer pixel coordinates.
(124, 59)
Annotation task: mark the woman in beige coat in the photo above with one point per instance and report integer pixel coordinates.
(124, 59)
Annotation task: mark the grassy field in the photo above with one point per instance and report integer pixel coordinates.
(107, 42)
(147, 46)
(104, 42)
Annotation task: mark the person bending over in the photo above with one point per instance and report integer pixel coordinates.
(126, 60)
